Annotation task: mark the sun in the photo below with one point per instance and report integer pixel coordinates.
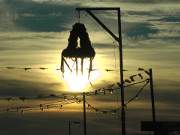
(79, 81)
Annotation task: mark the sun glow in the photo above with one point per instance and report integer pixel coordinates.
(78, 81)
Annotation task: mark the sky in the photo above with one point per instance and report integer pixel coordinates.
(33, 33)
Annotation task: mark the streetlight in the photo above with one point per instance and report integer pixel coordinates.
(150, 74)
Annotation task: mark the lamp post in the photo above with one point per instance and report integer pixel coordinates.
(152, 100)
(150, 74)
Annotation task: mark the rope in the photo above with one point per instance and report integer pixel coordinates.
(114, 56)
(41, 68)
(24, 68)
(137, 94)
(111, 111)
(69, 99)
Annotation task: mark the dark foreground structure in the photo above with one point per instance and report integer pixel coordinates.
(161, 127)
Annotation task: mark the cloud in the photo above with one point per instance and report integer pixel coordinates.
(140, 30)
(172, 19)
(149, 1)
(154, 27)
(36, 16)
(13, 87)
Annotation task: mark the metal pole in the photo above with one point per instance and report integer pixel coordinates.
(69, 127)
(119, 40)
(84, 111)
(152, 100)
(121, 74)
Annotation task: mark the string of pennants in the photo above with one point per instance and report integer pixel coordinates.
(41, 107)
(111, 111)
(42, 68)
(24, 68)
(66, 101)
(106, 90)
(115, 111)
(70, 98)
(136, 96)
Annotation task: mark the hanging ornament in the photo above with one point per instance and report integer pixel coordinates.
(75, 52)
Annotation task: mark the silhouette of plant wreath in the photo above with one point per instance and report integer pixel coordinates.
(85, 49)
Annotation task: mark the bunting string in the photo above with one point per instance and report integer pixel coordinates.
(110, 111)
(44, 68)
(70, 98)
(138, 93)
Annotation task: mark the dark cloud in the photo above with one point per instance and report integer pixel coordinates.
(149, 1)
(171, 39)
(151, 28)
(172, 19)
(40, 17)
(139, 30)
(141, 13)
(9, 87)
(28, 37)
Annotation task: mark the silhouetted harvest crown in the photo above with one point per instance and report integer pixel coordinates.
(73, 51)
(85, 49)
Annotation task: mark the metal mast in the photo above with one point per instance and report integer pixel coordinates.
(119, 40)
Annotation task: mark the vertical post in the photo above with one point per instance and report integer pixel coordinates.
(119, 39)
(84, 111)
(152, 100)
(69, 127)
(121, 74)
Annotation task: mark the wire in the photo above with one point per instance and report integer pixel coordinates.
(79, 16)
(70, 98)
(114, 56)
(110, 111)
(40, 107)
(45, 68)
(66, 101)
(138, 93)
(136, 83)
(24, 68)
(109, 89)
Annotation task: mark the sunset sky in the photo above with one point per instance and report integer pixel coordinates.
(33, 34)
